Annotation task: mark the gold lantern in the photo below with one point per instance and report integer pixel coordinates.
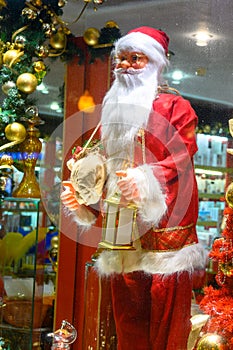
(119, 229)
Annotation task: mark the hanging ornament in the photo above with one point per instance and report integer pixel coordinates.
(20, 41)
(26, 83)
(62, 3)
(39, 66)
(42, 51)
(7, 86)
(2, 4)
(91, 36)
(58, 40)
(212, 341)
(29, 13)
(86, 103)
(15, 132)
(37, 3)
(47, 29)
(111, 24)
(229, 195)
(11, 57)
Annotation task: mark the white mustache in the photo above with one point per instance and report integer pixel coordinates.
(130, 70)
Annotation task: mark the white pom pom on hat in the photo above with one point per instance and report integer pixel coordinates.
(156, 34)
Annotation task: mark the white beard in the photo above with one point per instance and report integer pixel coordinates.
(126, 109)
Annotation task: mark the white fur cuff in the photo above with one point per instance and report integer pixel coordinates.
(153, 202)
(83, 217)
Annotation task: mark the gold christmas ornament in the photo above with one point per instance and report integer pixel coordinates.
(61, 3)
(58, 40)
(7, 86)
(229, 195)
(42, 51)
(91, 36)
(212, 341)
(12, 56)
(15, 132)
(39, 66)
(29, 13)
(20, 41)
(226, 268)
(6, 160)
(26, 83)
(37, 3)
(111, 24)
(2, 4)
(47, 29)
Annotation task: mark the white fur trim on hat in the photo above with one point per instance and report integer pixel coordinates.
(140, 42)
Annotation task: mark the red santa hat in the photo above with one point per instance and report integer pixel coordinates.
(158, 35)
(146, 40)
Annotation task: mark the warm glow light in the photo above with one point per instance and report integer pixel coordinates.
(86, 103)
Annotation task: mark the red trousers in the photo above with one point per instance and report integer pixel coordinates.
(152, 312)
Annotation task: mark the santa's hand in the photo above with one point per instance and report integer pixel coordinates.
(68, 197)
(130, 182)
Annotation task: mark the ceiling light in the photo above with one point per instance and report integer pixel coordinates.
(177, 75)
(54, 106)
(202, 38)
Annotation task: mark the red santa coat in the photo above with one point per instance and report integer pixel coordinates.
(168, 144)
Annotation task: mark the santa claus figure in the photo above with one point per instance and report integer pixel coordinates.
(149, 141)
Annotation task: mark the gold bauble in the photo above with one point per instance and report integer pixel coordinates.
(11, 57)
(39, 66)
(58, 40)
(91, 36)
(212, 341)
(111, 24)
(229, 195)
(15, 132)
(6, 160)
(26, 83)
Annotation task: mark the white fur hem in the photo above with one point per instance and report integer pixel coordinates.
(153, 207)
(83, 217)
(189, 258)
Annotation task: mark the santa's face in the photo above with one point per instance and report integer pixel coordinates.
(136, 60)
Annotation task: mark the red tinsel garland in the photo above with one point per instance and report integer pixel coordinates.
(219, 305)
(222, 249)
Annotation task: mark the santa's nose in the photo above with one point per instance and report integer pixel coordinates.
(124, 64)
